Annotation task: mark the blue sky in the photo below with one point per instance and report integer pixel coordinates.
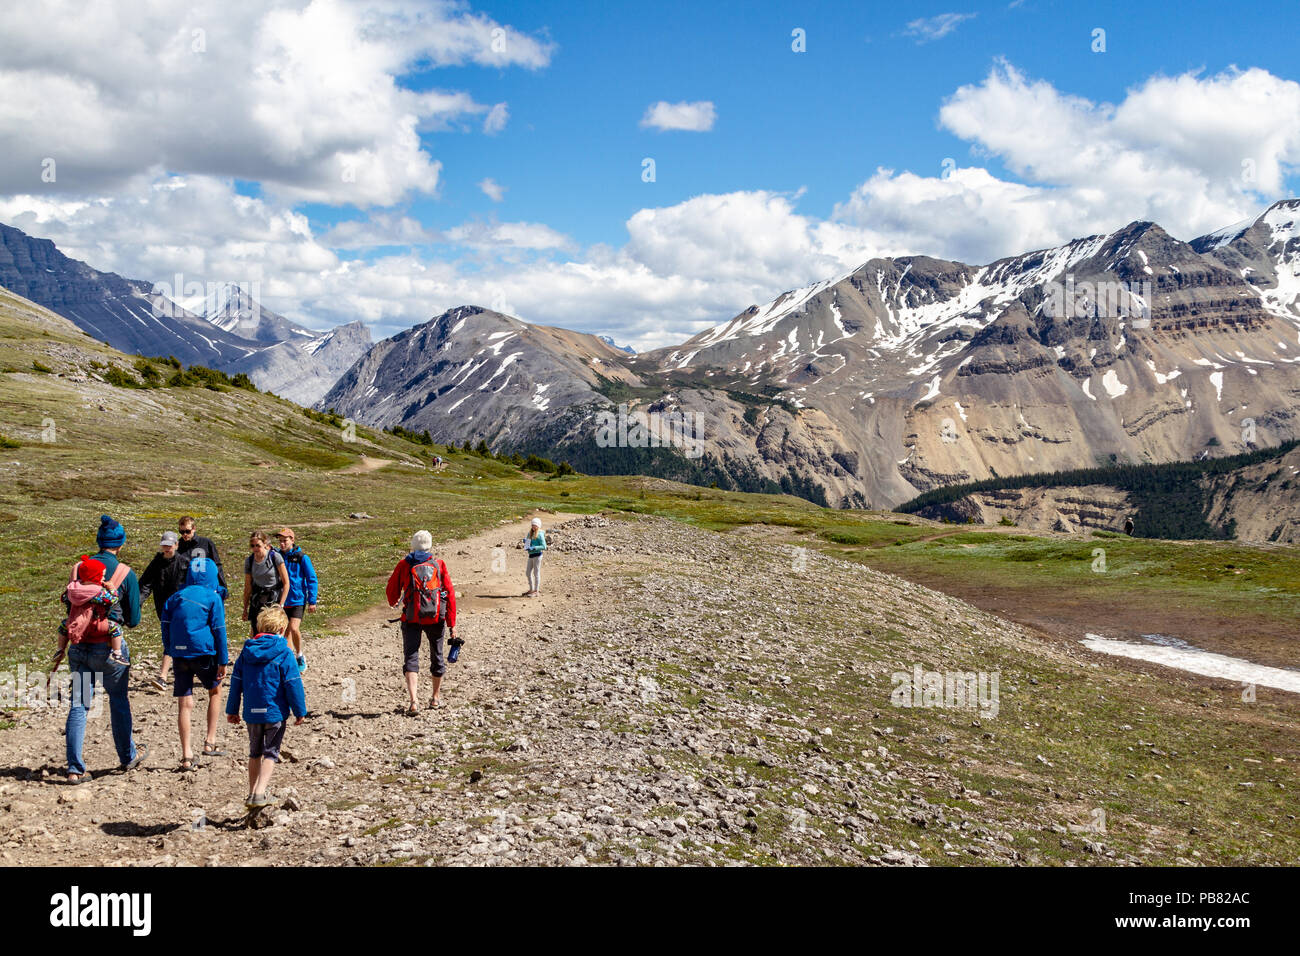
(864, 94)
(209, 141)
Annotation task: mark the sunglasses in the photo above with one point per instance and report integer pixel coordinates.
(186, 532)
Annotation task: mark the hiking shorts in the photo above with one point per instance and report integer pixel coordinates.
(186, 669)
(411, 639)
(295, 612)
(264, 740)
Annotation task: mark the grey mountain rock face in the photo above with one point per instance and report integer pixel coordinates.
(123, 312)
(292, 361)
(236, 335)
(472, 373)
(910, 373)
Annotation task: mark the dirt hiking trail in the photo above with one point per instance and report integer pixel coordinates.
(676, 696)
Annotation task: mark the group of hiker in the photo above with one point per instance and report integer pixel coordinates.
(188, 585)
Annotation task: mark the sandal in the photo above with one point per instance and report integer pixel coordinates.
(411, 710)
(212, 750)
(141, 752)
(76, 778)
(187, 764)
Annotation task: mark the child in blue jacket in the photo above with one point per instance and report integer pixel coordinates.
(194, 638)
(266, 676)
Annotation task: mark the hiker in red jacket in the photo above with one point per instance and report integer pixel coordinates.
(420, 583)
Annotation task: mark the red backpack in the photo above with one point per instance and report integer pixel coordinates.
(426, 597)
(88, 604)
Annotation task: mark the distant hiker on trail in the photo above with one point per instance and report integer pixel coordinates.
(266, 581)
(192, 542)
(266, 676)
(303, 588)
(88, 656)
(194, 637)
(421, 584)
(164, 576)
(535, 542)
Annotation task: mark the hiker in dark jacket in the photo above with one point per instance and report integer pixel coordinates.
(194, 637)
(266, 676)
(163, 578)
(193, 543)
(417, 622)
(91, 657)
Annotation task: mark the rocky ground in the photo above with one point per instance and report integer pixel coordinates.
(675, 696)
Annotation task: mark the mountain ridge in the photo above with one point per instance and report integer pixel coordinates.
(1128, 346)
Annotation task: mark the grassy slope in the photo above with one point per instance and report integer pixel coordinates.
(241, 461)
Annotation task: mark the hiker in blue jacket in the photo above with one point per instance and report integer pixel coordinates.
(303, 588)
(194, 637)
(266, 676)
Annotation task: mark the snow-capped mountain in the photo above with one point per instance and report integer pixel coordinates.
(294, 362)
(472, 373)
(911, 372)
(233, 309)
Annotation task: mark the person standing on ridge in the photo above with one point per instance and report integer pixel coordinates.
(421, 584)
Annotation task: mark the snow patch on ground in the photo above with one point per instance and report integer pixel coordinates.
(1196, 661)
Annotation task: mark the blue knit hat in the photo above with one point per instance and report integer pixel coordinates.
(111, 533)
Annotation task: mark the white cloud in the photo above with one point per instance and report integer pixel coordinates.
(697, 117)
(926, 29)
(492, 189)
(1170, 151)
(382, 229)
(514, 235)
(303, 98)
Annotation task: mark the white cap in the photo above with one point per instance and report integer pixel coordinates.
(537, 522)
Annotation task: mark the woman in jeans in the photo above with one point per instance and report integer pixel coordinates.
(266, 581)
(90, 660)
(536, 545)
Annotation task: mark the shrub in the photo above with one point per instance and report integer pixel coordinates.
(119, 378)
(534, 463)
(43, 369)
